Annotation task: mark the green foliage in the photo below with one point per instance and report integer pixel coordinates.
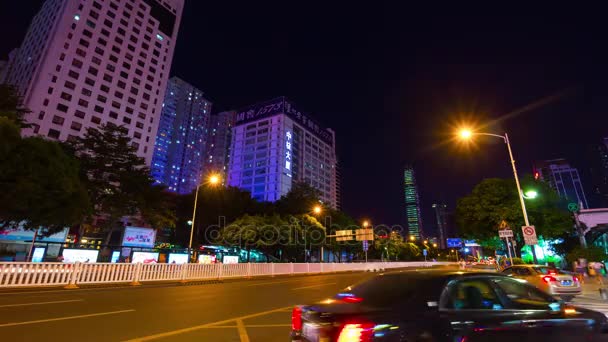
(10, 106)
(478, 215)
(395, 248)
(40, 186)
(591, 253)
(117, 180)
(301, 199)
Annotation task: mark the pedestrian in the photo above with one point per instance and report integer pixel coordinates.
(579, 270)
(596, 268)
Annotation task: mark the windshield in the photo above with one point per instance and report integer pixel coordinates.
(547, 270)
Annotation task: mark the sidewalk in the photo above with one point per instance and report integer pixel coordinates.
(591, 289)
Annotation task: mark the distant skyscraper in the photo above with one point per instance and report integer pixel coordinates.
(563, 178)
(86, 63)
(338, 186)
(219, 138)
(179, 151)
(274, 145)
(441, 215)
(599, 173)
(412, 203)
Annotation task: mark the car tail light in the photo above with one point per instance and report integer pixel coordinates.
(296, 318)
(575, 279)
(352, 299)
(549, 279)
(356, 332)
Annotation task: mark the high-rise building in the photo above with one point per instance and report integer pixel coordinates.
(274, 145)
(563, 178)
(338, 186)
(599, 173)
(87, 63)
(219, 138)
(412, 203)
(179, 150)
(441, 217)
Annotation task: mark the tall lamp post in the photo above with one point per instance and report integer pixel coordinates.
(213, 180)
(467, 134)
(316, 210)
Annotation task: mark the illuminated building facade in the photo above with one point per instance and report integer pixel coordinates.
(179, 150)
(412, 203)
(274, 145)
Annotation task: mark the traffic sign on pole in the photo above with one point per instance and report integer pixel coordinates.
(365, 245)
(505, 233)
(529, 233)
(365, 234)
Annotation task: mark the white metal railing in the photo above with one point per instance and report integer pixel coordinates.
(23, 274)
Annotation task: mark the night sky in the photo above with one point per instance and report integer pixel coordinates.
(394, 82)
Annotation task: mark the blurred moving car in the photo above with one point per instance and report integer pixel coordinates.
(550, 280)
(444, 305)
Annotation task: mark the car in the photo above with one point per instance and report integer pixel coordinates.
(444, 305)
(548, 279)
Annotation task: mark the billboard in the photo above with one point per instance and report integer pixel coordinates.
(139, 237)
(80, 255)
(145, 257)
(20, 234)
(231, 259)
(178, 258)
(38, 255)
(206, 259)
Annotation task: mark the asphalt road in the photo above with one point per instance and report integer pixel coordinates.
(241, 310)
(238, 310)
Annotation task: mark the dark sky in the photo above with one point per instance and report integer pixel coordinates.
(394, 81)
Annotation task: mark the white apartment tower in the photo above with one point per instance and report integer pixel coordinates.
(88, 62)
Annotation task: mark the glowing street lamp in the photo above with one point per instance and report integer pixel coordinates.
(412, 238)
(365, 224)
(317, 210)
(212, 180)
(434, 245)
(467, 134)
(530, 194)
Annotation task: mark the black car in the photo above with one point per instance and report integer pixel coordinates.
(440, 305)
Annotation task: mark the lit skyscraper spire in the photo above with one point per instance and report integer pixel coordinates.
(412, 203)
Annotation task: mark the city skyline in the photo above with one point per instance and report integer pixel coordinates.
(418, 89)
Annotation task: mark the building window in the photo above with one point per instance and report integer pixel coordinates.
(53, 133)
(98, 109)
(58, 120)
(83, 103)
(86, 92)
(79, 114)
(96, 120)
(76, 126)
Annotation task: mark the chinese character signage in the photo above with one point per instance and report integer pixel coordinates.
(139, 237)
(282, 106)
(288, 152)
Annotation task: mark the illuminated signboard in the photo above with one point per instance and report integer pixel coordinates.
(80, 255)
(145, 257)
(20, 234)
(288, 152)
(38, 255)
(231, 259)
(178, 258)
(139, 237)
(206, 259)
(282, 106)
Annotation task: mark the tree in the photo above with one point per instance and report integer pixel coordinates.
(302, 198)
(479, 214)
(40, 183)
(117, 180)
(393, 247)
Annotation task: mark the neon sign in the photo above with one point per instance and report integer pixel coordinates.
(288, 153)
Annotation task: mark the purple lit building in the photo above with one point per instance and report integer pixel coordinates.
(274, 145)
(219, 138)
(86, 63)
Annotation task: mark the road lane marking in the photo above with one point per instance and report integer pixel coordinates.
(42, 303)
(242, 330)
(312, 286)
(64, 318)
(203, 326)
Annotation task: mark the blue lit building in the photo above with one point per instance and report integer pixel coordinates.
(179, 150)
(564, 179)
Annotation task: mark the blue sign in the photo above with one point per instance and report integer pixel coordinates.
(454, 243)
(425, 252)
(365, 245)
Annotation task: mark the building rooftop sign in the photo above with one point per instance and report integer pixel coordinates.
(281, 105)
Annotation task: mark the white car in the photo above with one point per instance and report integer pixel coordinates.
(550, 280)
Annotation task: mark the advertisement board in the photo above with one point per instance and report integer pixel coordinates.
(115, 257)
(20, 234)
(145, 257)
(206, 259)
(80, 255)
(178, 258)
(139, 237)
(231, 259)
(38, 255)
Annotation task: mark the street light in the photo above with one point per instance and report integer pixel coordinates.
(212, 180)
(412, 238)
(365, 224)
(467, 134)
(435, 245)
(317, 209)
(530, 194)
